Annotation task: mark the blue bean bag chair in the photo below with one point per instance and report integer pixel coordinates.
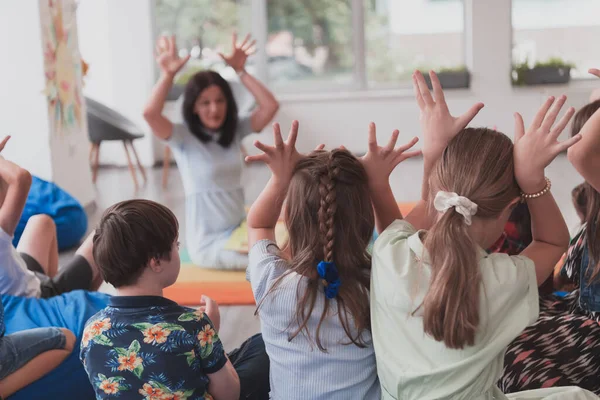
(68, 215)
(70, 310)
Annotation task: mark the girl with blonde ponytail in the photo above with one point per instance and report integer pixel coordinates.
(442, 309)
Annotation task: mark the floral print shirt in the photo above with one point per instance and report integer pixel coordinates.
(150, 348)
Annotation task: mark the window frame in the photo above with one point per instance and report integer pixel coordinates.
(477, 18)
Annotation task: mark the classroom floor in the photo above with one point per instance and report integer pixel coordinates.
(238, 322)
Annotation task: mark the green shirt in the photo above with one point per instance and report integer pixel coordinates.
(412, 365)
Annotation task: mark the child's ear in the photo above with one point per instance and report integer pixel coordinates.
(155, 266)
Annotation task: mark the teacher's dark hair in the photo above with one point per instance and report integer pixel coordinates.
(194, 87)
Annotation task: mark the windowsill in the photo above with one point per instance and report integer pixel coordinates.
(348, 94)
(359, 94)
(575, 85)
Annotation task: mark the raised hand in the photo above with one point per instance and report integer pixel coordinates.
(438, 125)
(535, 148)
(594, 71)
(283, 156)
(379, 162)
(3, 143)
(167, 57)
(239, 53)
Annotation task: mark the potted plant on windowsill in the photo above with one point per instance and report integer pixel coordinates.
(451, 78)
(553, 71)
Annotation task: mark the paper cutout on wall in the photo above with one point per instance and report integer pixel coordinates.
(63, 65)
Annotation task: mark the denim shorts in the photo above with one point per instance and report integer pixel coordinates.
(19, 348)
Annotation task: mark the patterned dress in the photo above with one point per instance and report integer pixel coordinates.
(147, 347)
(563, 347)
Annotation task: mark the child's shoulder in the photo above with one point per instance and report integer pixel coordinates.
(398, 230)
(394, 238)
(503, 268)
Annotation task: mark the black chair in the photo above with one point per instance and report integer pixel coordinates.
(106, 124)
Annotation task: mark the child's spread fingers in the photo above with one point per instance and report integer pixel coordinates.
(263, 147)
(553, 113)
(541, 114)
(562, 124)
(256, 158)
(418, 95)
(277, 139)
(560, 147)
(393, 140)
(408, 145)
(293, 135)
(372, 137)
(438, 92)
(424, 89)
(519, 127)
(409, 154)
(468, 116)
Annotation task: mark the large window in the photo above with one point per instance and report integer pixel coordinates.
(309, 41)
(404, 35)
(320, 44)
(557, 29)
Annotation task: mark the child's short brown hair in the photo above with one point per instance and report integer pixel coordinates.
(130, 234)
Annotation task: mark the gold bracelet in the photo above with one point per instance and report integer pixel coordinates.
(546, 189)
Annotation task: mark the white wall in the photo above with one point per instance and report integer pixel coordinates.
(70, 151)
(116, 39)
(24, 107)
(61, 158)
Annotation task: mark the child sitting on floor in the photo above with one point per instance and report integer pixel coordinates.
(443, 310)
(28, 355)
(313, 297)
(31, 270)
(143, 344)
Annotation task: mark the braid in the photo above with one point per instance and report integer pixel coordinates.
(328, 207)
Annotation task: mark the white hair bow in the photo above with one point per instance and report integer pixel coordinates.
(446, 200)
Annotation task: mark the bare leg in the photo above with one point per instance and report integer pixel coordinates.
(86, 251)
(37, 367)
(39, 241)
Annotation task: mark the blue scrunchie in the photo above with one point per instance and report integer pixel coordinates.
(328, 272)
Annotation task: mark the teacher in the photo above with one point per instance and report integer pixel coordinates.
(207, 148)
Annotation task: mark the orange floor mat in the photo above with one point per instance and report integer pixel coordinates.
(225, 287)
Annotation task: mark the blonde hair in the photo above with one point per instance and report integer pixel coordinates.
(477, 164)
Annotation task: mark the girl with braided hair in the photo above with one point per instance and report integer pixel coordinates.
(313, 294)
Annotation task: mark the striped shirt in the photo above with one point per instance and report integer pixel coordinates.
(299, 370)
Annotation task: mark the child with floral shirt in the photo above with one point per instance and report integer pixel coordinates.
(144, 346)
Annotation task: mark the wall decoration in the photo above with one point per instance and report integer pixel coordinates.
(63, 66)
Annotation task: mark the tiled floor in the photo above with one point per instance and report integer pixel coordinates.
(239, 322)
